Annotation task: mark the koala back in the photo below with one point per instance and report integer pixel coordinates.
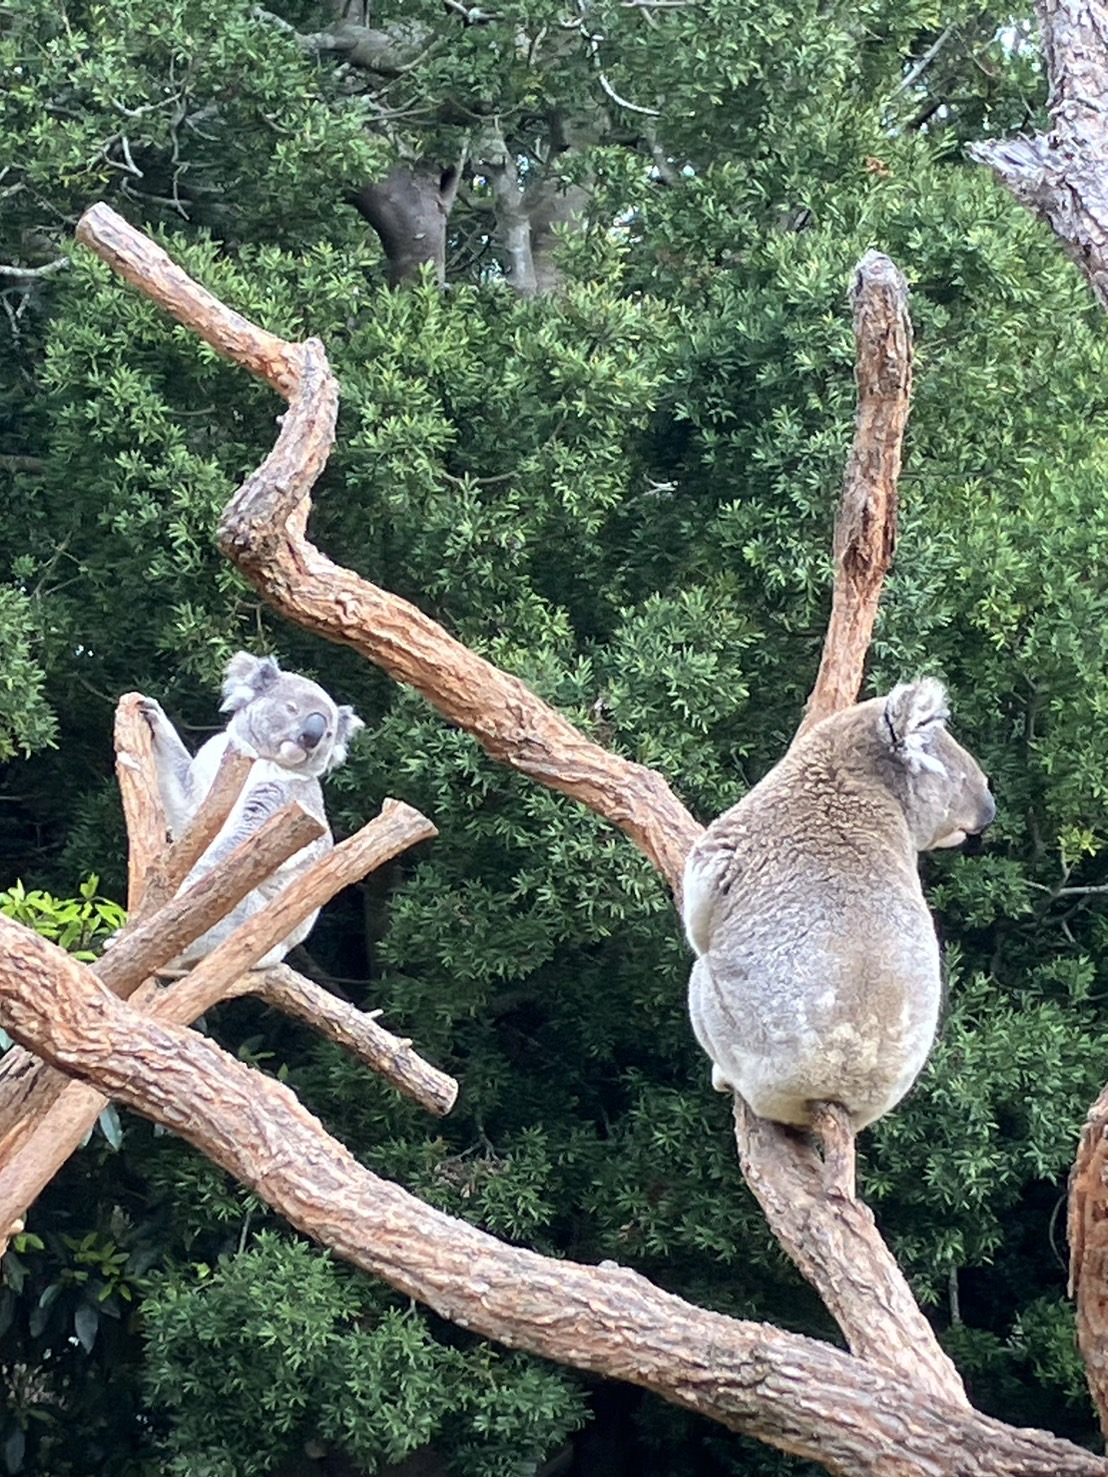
(819, 976)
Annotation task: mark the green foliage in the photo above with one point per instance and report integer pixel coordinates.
(286, 1344)
(26, 722)
(81, 925)
(624, 494)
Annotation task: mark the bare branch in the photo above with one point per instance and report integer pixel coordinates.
(179, 860)
(865, 530)
(261, 536)
(795, 1393)
(1060, 176)
(355, 1030)
(52, 1124)
(835, 1243)
(142, 804)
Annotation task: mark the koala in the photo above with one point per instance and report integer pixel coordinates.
(299, 734)
(817, 978)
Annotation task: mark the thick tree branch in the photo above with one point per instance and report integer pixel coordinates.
(263, 532)
(865, 531)
(1060, 176)
(795, 1393)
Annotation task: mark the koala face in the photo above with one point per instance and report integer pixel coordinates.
(943, 790)
(287, 719)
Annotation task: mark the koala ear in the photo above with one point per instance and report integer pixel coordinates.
(245, 678)
(915, 713)
(345, 729)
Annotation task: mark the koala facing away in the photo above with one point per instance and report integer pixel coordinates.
(299, 734)
(818, 975)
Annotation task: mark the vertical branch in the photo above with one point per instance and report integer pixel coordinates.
(865, 530)
(142, 805)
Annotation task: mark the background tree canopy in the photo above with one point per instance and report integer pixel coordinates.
(607, 457)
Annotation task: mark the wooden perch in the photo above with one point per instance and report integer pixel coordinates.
(27, 1087)
(865, 530)
(62, 1112)
(356, 1031)
(263, 533)
(797, 1394)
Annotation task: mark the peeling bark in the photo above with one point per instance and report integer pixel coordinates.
(1060, 176)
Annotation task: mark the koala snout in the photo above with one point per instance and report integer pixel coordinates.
(315, 726)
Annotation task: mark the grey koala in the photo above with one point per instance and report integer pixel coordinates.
(299, 734)
(817, 976)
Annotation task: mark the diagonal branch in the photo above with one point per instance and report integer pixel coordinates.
(56, 1113)
(262, 532)
(799, 1395)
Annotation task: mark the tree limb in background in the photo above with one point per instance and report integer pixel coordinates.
(865, 530)
(1062, 177)
(797, 1394)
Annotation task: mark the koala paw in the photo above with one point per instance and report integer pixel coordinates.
(153, 712)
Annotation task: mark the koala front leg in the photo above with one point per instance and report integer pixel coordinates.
(172, 761)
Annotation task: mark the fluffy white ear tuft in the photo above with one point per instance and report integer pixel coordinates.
(348, 725)
(915, 714)
(245, 678)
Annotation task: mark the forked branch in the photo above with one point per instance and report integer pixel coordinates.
(797, 1394)
(263, 531)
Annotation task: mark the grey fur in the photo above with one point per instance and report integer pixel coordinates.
(818, 976)
(299, 735)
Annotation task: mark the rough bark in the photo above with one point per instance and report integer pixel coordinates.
(797, 1394)
(865, 532)
(49, 1115)
(1088, 1237)
(27, 1087)
(1060, 176)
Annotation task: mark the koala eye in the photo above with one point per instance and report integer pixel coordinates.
(290, 707)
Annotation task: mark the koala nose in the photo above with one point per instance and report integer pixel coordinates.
(315, 726)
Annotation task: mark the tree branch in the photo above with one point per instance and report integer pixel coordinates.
(795, 1393)
(1060, 176)
(865, 531)
(52, 1115)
